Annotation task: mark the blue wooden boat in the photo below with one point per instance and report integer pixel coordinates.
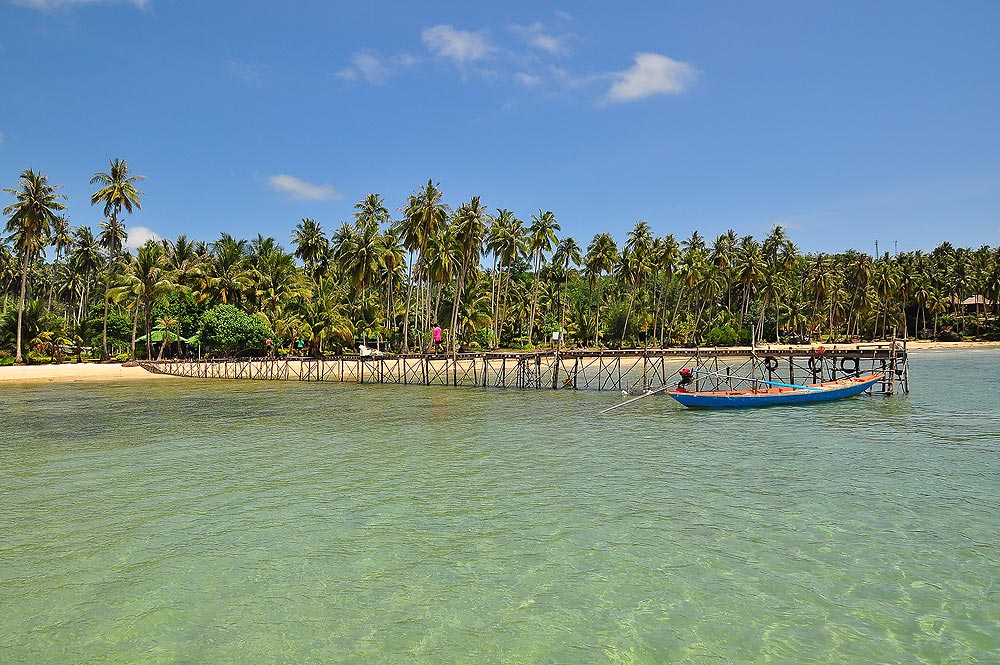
(775, 394)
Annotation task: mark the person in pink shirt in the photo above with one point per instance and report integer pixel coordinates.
(436, 334)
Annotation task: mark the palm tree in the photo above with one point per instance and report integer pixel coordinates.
(371, 211)
(148, 279)
(62, 240)
(424, 218)
(636, 264)
(112, 238)
(568, 251)
(469, 229)
(310, 245)
(602, 256)
(31, 219)
(541, 238)
(228, 276)
(84, 259)
(165, 323)
(506, 240)
(117, 191)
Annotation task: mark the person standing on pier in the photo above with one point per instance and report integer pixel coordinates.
(436, 335)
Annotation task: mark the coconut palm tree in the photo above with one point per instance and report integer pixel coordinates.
(424, 219)
(146, 280)
(112, 239)
(62, 240)
(31, 219)
(469, 230)
(117, 190)
(84, 259)
(506, 240)
(636, 264)
(568, 252)
(541, 238)
(602, 257)
(311, 246)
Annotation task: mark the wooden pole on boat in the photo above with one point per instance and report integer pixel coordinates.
(636, 399)
(770, 383)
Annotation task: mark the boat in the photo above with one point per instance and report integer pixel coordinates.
(774, 393)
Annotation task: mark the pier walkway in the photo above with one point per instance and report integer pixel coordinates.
(628, 370)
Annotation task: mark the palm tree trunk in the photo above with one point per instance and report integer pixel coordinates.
(135, 326)
(19, 358)
(409, 299)
(534, 300)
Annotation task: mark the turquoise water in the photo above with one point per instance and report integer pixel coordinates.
(190, 521)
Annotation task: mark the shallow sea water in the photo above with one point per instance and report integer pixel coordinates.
(218, 521)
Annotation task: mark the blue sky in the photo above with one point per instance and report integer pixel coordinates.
(846, 122)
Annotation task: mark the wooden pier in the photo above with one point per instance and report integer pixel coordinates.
(627, 370)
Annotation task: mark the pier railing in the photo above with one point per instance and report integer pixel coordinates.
(628, 370)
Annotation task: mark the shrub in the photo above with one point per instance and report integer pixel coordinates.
(231, 330)
(722, 336)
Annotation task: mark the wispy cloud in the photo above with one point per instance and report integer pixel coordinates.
(139, 236)
(374, 68)
(536, 36)
(536, 57)
(1, 137)
(48, 5)
(460, 46)
(300, 190)
(652, 74)
(251, 73)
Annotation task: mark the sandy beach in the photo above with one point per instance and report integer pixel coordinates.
(70, 372)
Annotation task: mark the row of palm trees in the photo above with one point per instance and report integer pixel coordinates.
(491, 278)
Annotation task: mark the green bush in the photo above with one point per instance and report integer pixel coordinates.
(228, 329)
(722, 336)
(121, 358)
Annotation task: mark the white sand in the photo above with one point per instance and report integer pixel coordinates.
(75, 372)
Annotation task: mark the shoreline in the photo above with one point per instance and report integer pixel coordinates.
(75, 373)
(87, 372)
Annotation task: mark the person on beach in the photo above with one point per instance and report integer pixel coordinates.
(436, 335)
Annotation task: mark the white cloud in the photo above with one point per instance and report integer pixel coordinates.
(536, 36)
(375, 68)
(47, 5)
(462, 46)
(301, 190)
(528, 80)
(652, 74)
(139, 236)
(368, 66)
(1, 137)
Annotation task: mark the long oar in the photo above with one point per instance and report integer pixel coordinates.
(770, 383)
(636, 399)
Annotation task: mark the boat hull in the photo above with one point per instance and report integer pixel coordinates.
(743, 399)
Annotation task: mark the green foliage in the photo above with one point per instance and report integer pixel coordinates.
(119, 331)
(484, 338)
(722, 336)
(121, 358)
(228, 329)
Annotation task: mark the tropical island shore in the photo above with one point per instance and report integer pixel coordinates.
(85, 372)
(72, 372)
